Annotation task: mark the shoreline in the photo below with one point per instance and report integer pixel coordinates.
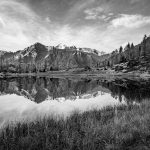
(85, 74)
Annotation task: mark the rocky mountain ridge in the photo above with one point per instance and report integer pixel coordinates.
(41, 58)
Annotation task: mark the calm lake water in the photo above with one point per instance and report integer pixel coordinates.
(27, 98)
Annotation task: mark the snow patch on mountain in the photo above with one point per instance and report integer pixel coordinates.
(61, 46)
(92, 51)
(50, 48)
(34, 54)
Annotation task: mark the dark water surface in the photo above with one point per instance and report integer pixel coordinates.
(29, 97)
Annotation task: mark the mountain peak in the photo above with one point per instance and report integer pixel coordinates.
(37, 43)
(61, 46)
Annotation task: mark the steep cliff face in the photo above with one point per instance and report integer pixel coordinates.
(67, 59)
(42, 58)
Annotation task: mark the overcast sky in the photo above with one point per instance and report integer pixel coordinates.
(99, 24)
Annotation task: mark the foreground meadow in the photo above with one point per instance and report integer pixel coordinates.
(120, 128)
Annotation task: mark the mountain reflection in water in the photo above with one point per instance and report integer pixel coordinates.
(41, 89)
(27, 98)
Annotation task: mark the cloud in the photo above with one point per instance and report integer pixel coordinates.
(47, 19)
(134, 1)
(130, 21)
(16, 10)
(2, 23)
(97, 13)
(103, 39)
(74, 11)
(20, 26)
(93, 13)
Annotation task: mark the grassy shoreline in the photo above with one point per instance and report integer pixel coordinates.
(123, 128)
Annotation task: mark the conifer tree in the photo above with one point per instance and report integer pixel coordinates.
(132, 45)
(120, 49)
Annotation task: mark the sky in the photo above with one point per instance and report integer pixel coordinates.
(104, 25)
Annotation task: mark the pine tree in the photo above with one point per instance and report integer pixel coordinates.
(45, 66)
(145, 37)
(116, 51)
(128, 46)
(139, 50)
(19, 61)
(108, 64)
(143, 50)
(132, 45)
(120, 49)
(1, 63)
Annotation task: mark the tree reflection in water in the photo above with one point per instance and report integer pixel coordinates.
(42, 88)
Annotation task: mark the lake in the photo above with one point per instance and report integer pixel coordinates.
(27, 98)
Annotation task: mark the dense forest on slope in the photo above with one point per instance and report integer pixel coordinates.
(134, 57)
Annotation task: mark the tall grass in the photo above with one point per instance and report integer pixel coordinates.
(121, 128)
